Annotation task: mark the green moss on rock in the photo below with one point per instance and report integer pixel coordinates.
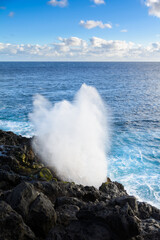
(45, 174)
(103, 186)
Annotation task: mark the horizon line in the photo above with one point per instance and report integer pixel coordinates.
(76, 61)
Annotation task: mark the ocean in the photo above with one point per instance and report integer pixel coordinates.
(131, 92)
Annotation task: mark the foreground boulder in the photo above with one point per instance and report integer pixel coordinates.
(36, 204)
(41, 216)
(21, 197)
(12, 225)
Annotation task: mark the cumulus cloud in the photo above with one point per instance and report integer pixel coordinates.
(74, 48)
(92, 24)
(70, 46)
(24, 49)
(154, 47)
(11, 14)
(110, 48)
(154, 7)
(72, 41)
(98, 2)
(59, 3)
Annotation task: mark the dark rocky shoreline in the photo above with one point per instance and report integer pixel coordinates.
(36, 204)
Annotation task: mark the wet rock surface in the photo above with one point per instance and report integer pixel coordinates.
(36, 204)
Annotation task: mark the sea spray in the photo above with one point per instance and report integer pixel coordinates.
(72, 137)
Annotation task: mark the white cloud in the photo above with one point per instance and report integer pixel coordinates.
(59, 3)
(72, 41)
(98, 42)
(92, 24)
(113, 47)
(11, 14)
(154, 7)
(70, 46)
(74, 48)
(124, 30)
(98, 2)
(154, 47)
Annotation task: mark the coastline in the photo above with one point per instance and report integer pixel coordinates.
(41, 206)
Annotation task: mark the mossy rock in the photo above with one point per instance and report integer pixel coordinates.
(64, 182)
(24, 170)
(103, 186)
(45, 174)
(37, 166)
(24, 160)
(23, 157)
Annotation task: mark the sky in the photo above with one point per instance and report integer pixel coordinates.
(80, 30)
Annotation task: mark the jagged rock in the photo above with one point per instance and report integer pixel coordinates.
(122, 201)
(16, 145)
(12, 225)
(85, 193)
(91, 195)
(42, 216)
(147, 211)
(151, 229)
(90, 230)
(17, 154)
(113, 190)
(66, 213)
(57, 233)
(21, 197)
(117, 218)
(8, 179)
(9, 138)
(69, 200)
(35, 202)
(51, 189)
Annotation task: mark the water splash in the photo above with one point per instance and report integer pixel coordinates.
(72, 137)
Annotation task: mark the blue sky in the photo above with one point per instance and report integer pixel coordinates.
(80, 30)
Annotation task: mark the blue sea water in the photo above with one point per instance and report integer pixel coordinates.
(130, 90)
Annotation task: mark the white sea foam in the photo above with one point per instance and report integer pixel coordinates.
(20, 128)
(72, 136)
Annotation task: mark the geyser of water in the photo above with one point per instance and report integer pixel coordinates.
(71, 137)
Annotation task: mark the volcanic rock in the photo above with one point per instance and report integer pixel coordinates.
(21, 198)
(36, 205)
(12, 225)
(42, 216)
